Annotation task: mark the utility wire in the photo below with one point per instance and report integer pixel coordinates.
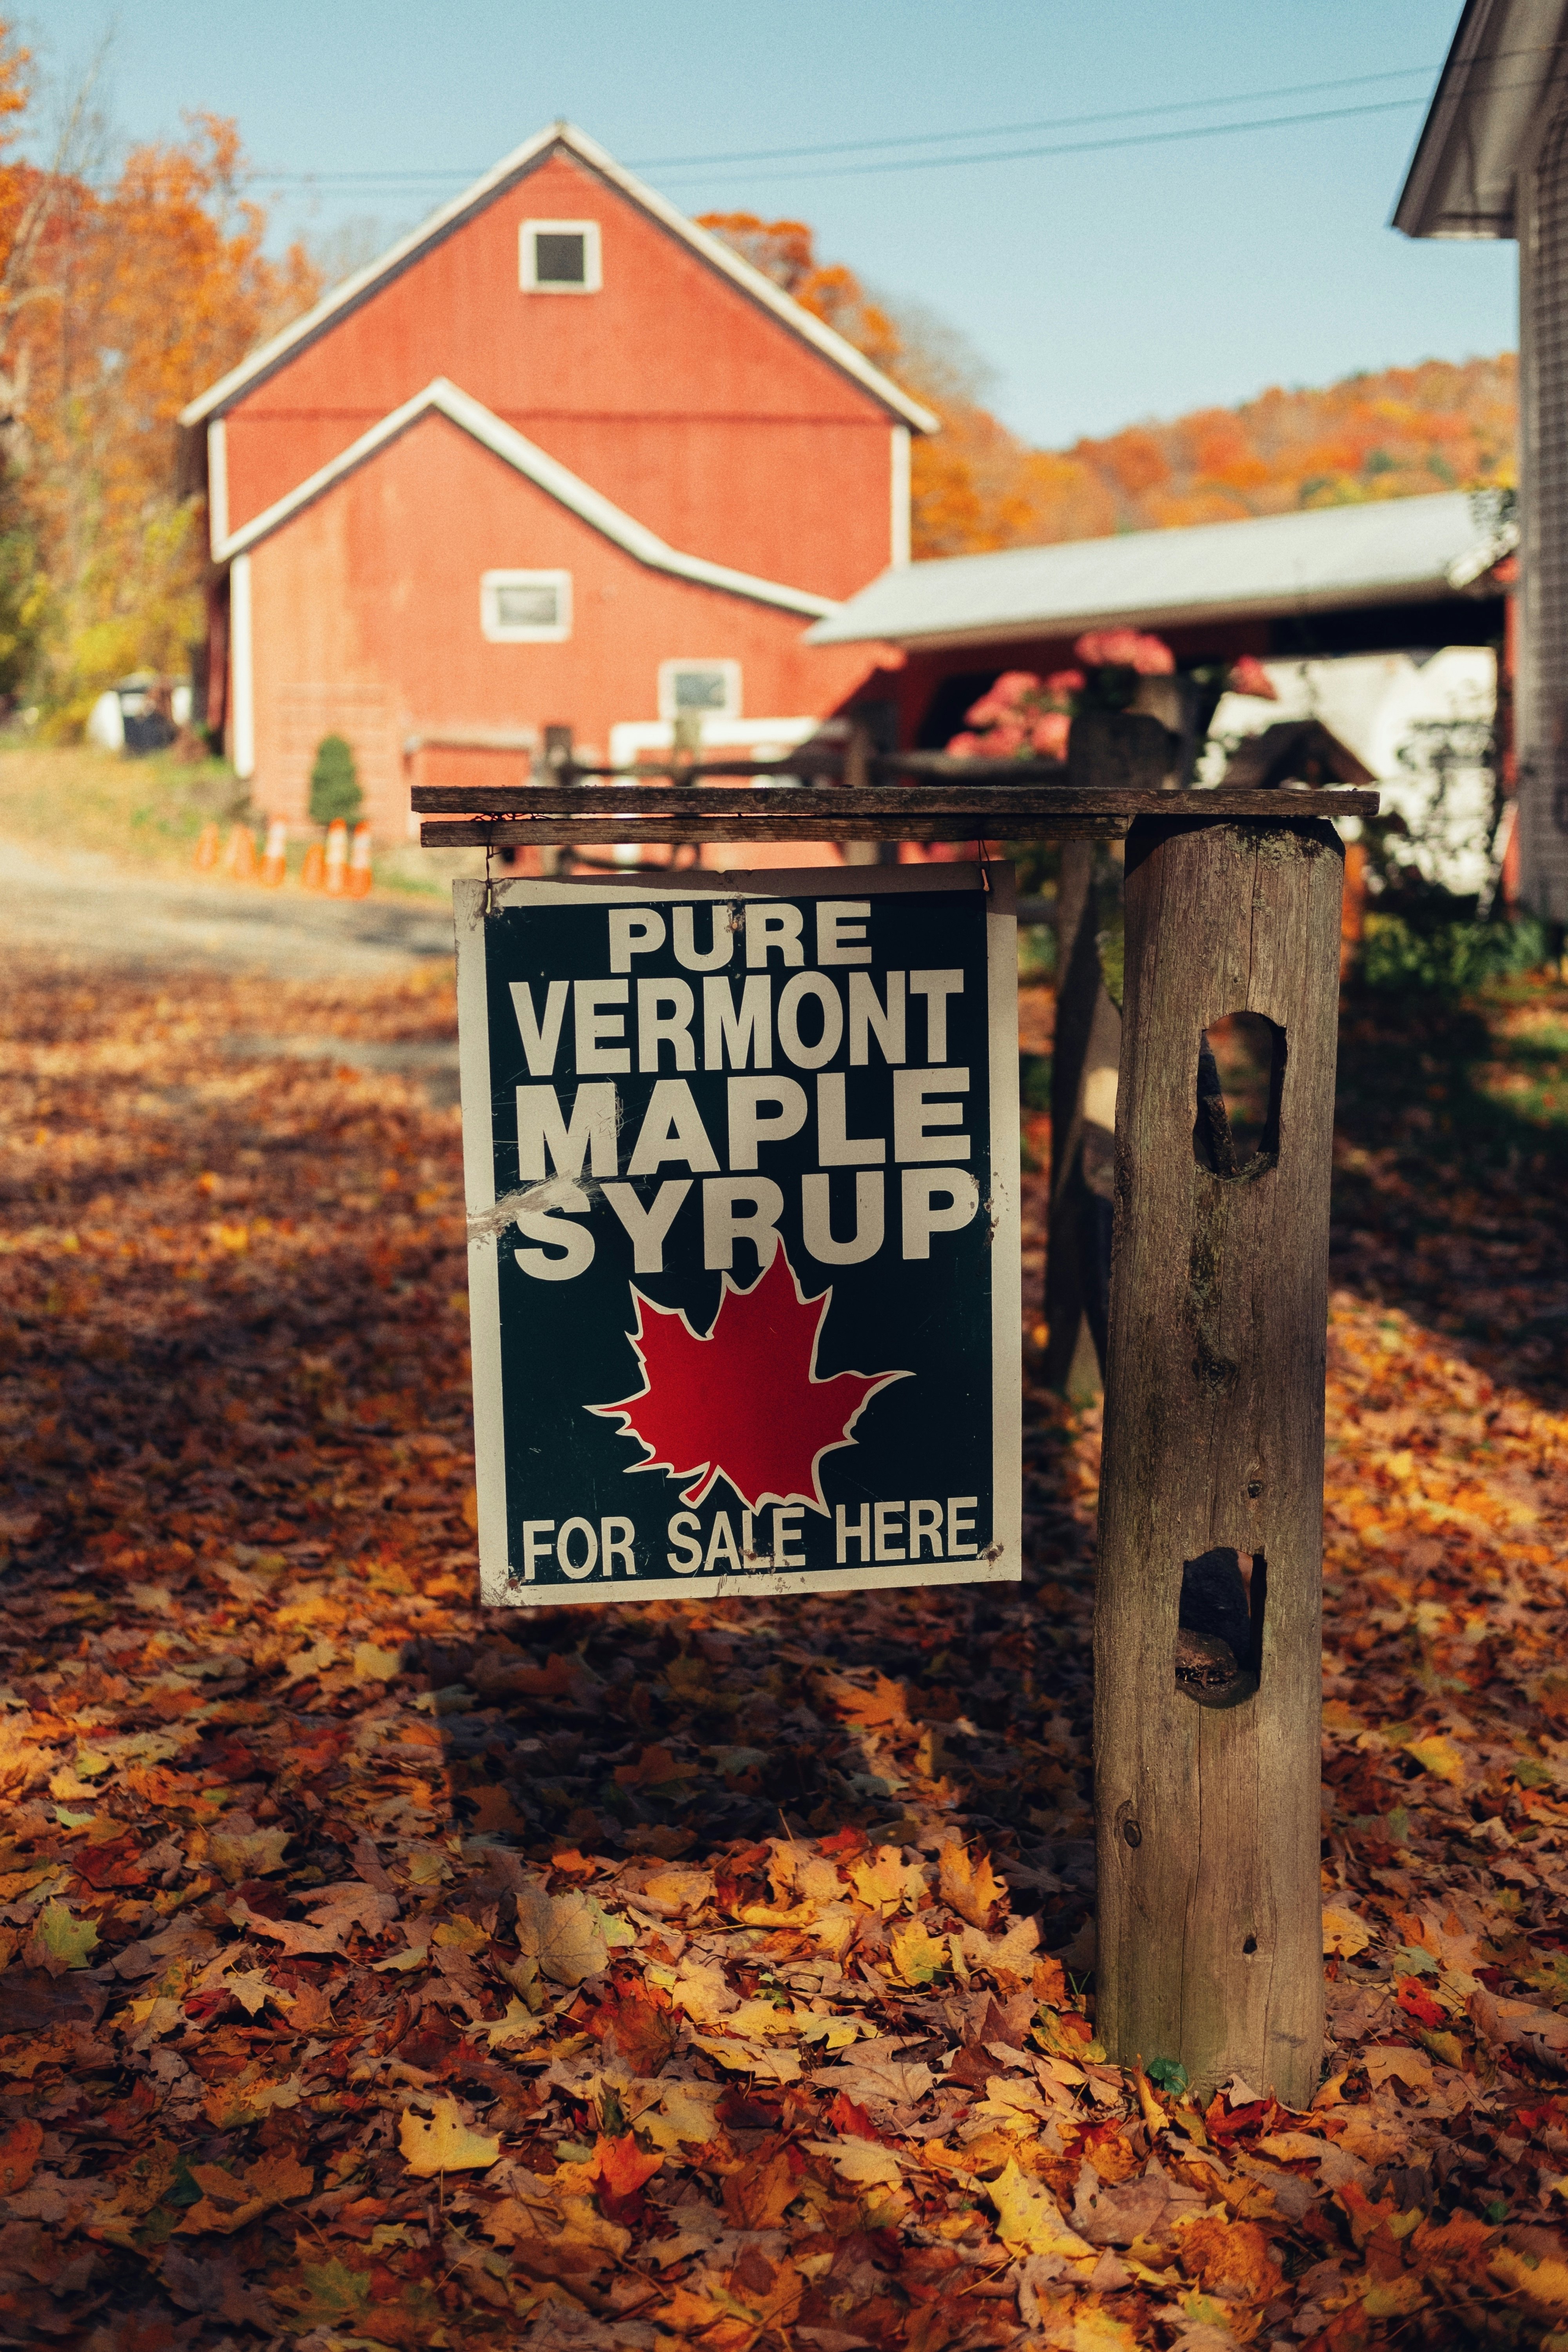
(392, 180)
(911, 139)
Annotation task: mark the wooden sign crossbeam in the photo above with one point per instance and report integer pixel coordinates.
(995, 804)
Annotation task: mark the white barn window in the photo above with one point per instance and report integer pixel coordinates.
(526, 608)
(559, 256)
(711, 690)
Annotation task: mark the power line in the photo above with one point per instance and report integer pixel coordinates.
(1102, 146)
(909, 139)
(393, 180)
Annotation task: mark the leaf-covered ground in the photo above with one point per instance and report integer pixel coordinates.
(379, 1970)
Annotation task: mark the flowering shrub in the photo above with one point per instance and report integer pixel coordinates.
(1146, 656)
(1023, 717)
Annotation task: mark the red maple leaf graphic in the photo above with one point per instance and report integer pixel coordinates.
(744, 1402)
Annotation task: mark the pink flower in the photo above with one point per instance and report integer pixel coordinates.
(1050, 735)
(1001, 701)
(1125, 649)
(1248, 675)
(965, 746)
(1064, 681)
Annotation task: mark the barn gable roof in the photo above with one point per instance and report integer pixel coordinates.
(514, 449)
(833, 347)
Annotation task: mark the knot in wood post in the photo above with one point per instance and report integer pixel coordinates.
(1207, 1627)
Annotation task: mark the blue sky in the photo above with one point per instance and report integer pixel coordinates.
(1130, 280)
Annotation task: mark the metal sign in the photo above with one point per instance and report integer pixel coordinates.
(741, 1160)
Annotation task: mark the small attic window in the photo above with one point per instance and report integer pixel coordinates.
(559, 256)
(526, 608)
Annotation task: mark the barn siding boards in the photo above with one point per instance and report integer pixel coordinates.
(1207, 1818)
(374, 590)
(669, 389)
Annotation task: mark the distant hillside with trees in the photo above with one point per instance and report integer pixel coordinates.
(1396, 434)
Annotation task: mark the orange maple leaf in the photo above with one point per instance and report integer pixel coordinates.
(743, 1401)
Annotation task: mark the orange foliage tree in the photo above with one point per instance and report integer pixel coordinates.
(976, 485)
(115, 308)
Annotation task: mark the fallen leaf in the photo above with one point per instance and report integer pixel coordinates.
(969, 1885)
(1028, 2219)
(19, 2152)
(917, 1955)
(885, 1881)
(443, 2142)
(1440, 1755)
(60, 1941)
(564, 1933)
(231, 2202)
(1344, 1933)
(253, 1853)
(758, 2195)
(860, 2160)
(1395, 2062)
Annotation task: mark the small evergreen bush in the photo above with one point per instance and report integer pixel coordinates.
(1449, 958)
(334, 783)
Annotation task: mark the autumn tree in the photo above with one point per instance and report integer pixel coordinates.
(976, 485)
(115, 308)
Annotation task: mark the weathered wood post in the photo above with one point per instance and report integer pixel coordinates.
(1208, 1658)
(1107, 750)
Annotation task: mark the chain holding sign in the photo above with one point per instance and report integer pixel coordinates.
(741, 1157)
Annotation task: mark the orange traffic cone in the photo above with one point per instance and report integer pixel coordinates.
(206, 849)
(337, 859)
(239, 856)
(313, 873)
(359, 864)
(275, 864)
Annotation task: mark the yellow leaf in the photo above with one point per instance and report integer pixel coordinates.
(1394, 2298)
(370, 1664)
(885, 1881)
(969, 1884)
(1028, 2219)
(1440, 1755)
(1090, 2328)
(443, 2143)
(1544, 2282)
(685, 2113)
(518, 2024)
(463, 1935)
(917, 1955)
(1344, 1933)
(860, 2160)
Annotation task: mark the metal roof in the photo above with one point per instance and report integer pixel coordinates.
(1505, 56)
(495, 183)
(1394, 551)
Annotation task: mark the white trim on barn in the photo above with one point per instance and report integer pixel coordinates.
(899, 553)
(556, 480)
(833, 347)
(218, 484)
(244, 668)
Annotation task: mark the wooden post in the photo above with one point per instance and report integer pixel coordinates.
(1105, 749)
(1207, 1659)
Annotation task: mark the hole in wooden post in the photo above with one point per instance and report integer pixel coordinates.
(1250, 1945)
(1219, 1637)
(1241, 1077)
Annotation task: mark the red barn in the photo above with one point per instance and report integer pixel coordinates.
(558, 457)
